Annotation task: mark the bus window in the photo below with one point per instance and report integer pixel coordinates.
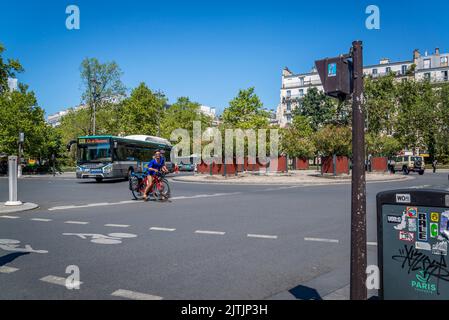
(94, 153)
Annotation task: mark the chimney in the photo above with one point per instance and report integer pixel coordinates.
(384, 61)
(416, 56)
(437, 51)
(286, 72)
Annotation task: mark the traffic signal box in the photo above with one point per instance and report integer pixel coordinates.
(336, 76)
(413, 236)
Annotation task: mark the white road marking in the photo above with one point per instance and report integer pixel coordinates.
(134, 295)
(220, 233)
(41, 220)
(76, 222)
(117, 225)
(58, 280)
(162, 229)
(322, 240)
(105, 204)
(262, 236)
(9, 217)
(372, 243)
(5, 269)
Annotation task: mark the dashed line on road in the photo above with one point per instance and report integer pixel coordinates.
(41, 220)
(134, 295)
(162, 229)
(374, 244)
(60, 281)
(322, 240)
(76, 222)
(106, 204)
(219, 233)
(117, 225)
(9, 217)
(5, 269)
(262, 236)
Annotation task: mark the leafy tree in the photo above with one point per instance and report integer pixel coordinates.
(102, 83)
(318, 108)
(332, 140)
(382, 145)
(245, 112)
(143, 111)
(296, 140)
(7, 70)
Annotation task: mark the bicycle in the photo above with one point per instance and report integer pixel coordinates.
(139, 182)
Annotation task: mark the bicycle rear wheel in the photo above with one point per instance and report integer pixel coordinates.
(137, 188)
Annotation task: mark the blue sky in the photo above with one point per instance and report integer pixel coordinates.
(206, 50)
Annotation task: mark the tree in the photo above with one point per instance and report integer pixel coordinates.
(7, 70)
(382, 145)
(318, 108)
(102, 84)
(334, 140)
(245, 112)
(143, 112)
(296, 140)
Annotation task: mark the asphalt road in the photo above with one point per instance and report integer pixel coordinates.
(209, 242)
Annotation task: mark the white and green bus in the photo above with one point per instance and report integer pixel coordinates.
(109, 157)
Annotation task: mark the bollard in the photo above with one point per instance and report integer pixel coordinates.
(12, 173)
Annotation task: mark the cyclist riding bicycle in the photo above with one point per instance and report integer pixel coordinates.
(154, 166)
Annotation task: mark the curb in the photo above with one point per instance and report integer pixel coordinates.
(290, 183)
(24, 207)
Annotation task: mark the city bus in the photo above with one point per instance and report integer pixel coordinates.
(109, 157)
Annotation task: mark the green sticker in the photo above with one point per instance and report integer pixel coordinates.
(434, 230)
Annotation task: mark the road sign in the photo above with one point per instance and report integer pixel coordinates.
(336, 76)
(412, 248)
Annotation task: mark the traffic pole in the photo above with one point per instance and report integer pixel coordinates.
(358, 202)
(12, 174)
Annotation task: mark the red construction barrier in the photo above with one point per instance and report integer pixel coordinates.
(379, 164)
(342, 165)
(301, 164)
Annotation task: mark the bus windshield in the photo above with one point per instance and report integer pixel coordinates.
(94, 153)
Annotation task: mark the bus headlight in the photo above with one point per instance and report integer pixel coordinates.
(80, 169)
(107, 169)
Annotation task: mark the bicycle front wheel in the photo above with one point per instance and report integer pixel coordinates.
(137, 189)
(162, 191)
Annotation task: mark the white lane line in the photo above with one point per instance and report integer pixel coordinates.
(41, 220)
(58, 280)
(262, 236)
(76, 222)
(117, 225)
(162, 229)
(106, 204)
(372, 243)
(9, 217)
(134, 295)
(322, 240)
(220, 233)
(5, 269)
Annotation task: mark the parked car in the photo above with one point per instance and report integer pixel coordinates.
(186, 166)
(407, 164)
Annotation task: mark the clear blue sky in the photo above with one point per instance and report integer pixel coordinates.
(206, 50)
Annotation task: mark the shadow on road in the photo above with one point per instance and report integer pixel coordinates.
(305, 293)
(102, 182)
(11, 257)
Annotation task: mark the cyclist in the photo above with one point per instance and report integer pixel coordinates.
(154, 166)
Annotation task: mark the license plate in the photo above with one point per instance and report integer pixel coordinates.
(96, 171)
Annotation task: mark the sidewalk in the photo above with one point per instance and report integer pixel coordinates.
(307, 177)
(32, 176)
(14, 209)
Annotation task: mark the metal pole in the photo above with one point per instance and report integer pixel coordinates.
(358, 204)
(12, 172)
(94, 119)
(19, 161)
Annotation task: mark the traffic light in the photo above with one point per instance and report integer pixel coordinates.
(336, 76)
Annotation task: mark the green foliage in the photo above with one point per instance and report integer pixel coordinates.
(143, 112)
(333, 139)
(296, 140)
(245, 112)
(8, 69)
(382, 145)
(318, 108)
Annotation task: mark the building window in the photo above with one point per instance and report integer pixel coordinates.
(289, 118)
(374, 71)
(444, 61)
(445, 75)
(289, 106)
(301, 81)
(388, 70)
(301, 93)
(427, 64)
(427, 76)
(404, 69)
(289, 93)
